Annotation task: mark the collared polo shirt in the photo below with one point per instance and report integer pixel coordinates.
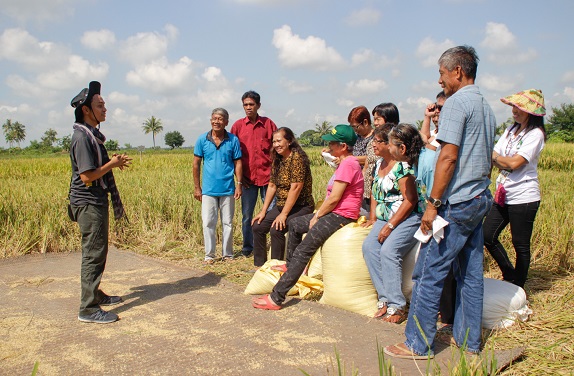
(256, 143)
(467, 121)
(218, 163)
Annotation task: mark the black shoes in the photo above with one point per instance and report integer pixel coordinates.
(108, 300)
(99, 317)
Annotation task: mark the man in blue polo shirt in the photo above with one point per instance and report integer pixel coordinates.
(221, 154)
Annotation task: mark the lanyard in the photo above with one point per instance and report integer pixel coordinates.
(513, 141)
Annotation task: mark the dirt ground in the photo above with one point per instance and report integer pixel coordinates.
(178, 320)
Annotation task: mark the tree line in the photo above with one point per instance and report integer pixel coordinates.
(560, 127)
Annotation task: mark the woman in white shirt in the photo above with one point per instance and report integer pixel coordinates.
(517, 196)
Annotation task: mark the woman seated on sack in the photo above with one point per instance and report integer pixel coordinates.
(396, 209)
(341, 207)
(292, 184)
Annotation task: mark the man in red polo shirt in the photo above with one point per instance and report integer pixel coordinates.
(255, 135)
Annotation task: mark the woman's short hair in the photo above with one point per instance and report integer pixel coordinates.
(387, 111)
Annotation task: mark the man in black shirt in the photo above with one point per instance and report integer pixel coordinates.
(92, 179)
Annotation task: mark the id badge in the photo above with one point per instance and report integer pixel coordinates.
(501, 179)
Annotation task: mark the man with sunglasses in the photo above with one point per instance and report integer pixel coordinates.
(432, 112)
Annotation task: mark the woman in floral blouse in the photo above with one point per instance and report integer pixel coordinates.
(396, 209)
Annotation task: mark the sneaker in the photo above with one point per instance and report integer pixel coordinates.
(108, 300)
(99, 317)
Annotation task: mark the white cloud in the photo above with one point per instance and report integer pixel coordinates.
(568, 76)
(145, 47)
(21, 47)
(294, 87)
(77, 71)
(162, 77)
(504, 47)
(99, 40)
(365, 87)
(430, 51)
(498, 37)
(569, 92)
(290, 113)
(427, 87)
(364, 17)
(496, 83)
(118, 99)
(312, 52)
(216, 90)
(363, 56)
(344, 102)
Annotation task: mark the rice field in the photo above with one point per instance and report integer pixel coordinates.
(165, 222)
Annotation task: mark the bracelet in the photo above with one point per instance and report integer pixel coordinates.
(390, 225)
(239, 183)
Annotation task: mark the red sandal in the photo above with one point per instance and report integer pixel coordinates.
(280, 268)
(265, 302)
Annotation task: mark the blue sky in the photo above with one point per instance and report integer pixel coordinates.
(311, 60)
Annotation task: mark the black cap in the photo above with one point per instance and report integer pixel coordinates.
(85, 96)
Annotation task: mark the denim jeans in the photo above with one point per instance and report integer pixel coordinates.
(261, 230)
(211, 207)
(521, 218)
(248, 201)
(93, 221)
(385, 260)
(300, 251)
(462, 247)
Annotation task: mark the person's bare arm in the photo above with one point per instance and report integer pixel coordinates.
(238, 174)
(508, 163)
(117, 161)
(444, 170)
(196, 172)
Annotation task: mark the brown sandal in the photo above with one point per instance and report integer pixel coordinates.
(382, 311)
(395, 316)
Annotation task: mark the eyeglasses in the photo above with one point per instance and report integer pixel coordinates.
(356, 126)
(380, 141)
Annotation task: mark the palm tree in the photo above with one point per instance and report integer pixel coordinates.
(153, 126)
(322, 129)
(19, 132)
(14, 132)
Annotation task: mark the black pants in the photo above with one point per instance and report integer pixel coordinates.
(300, 251)
(277, 236)
(94, 224)
(521, 218)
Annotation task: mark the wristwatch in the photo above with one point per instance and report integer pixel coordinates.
(436, 202)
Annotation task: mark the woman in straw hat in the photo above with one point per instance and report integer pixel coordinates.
(517, 196)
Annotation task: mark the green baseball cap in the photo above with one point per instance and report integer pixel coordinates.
(342, 133)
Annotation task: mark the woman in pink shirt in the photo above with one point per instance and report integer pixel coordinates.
(341, 207)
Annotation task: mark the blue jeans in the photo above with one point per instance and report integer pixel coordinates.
(384, 261)
(248, 201)
(211, 206)
(462, 247)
